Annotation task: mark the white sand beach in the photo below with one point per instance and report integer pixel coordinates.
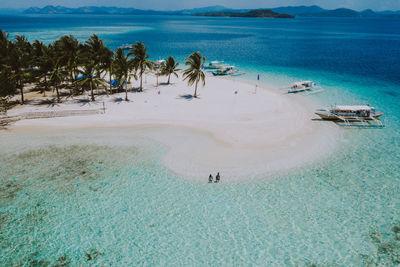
(252, 133)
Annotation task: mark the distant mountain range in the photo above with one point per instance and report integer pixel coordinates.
(258, 13)
(117, 10)
(301, 11)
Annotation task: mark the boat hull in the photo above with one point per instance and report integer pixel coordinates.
(333, 117)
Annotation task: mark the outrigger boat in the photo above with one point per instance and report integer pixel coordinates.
(126, 47)
(226, 70)
(301, 86)
(215, 65)
(353, 116)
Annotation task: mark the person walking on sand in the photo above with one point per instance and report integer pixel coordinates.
(210, 178)
(217, 178)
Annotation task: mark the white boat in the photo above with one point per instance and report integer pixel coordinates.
(226, 70)
(301, 86)
(126, 47)
(160, 61)
(348, 114)
(215, 65)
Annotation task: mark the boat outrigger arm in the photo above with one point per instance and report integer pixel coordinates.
(352, 116)
(360, 122)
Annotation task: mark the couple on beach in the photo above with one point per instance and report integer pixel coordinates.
(217, 178)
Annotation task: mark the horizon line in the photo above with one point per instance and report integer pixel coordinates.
(169, 10)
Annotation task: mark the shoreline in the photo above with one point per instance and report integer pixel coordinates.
(243, 135)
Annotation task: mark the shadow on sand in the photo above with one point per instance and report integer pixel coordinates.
(187, 97)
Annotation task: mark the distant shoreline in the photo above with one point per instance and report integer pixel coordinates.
(284, 12)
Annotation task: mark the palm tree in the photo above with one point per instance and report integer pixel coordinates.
(4, 49)
(57, 76)
(91, 78)
(7, 83)
(123, 65)
(94, 48)
(42, 56)
(194, 73)
(20, 51)
(140, 60)
(170, 67)
(67, 48)
(107, 58)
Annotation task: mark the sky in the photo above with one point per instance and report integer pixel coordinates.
(186, 4)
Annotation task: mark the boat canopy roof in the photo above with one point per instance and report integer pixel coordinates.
(226, 67)
(302, 82)
(353, 108)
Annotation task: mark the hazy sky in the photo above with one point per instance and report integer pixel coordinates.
(183, 4)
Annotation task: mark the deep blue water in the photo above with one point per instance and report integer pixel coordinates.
(337, 212)
(355, 46)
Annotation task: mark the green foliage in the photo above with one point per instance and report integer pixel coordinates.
(194, 74)
(141, 60)
(170, 67)
(91, 78)
(4, 105)
(59, 63)
(123, 65)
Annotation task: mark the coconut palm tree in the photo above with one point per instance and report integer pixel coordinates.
(123, 65)
(7, 84)
(91, 78)
(20, 51)
(140, 60)
(107, 60)
(194, 73)
(67, 48)
(4, 49)
(170, 67)
(42, 55)
(94, 49)
(57, 76)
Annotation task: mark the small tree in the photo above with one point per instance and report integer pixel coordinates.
(91, 78)
(4, 105)
(194, 73)
(170, 67)
(123, 65)
(140, 60)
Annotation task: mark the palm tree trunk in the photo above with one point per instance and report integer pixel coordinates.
(195, 89)
(141, 80)
(72, 83)
(58, 93)
(45, 86)
(91, 91)
(126, 92)
(21, 85)
(169, 77)
(110, 82)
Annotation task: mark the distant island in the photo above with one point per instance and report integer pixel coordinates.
(219, 11)
(258, 13)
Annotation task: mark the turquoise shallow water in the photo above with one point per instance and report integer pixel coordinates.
(102, 197)
(106, 205)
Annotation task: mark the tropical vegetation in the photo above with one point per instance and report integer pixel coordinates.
(170, 67)
(194, 73)
(69, 67)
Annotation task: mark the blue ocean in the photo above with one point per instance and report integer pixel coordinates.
(73, 199)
